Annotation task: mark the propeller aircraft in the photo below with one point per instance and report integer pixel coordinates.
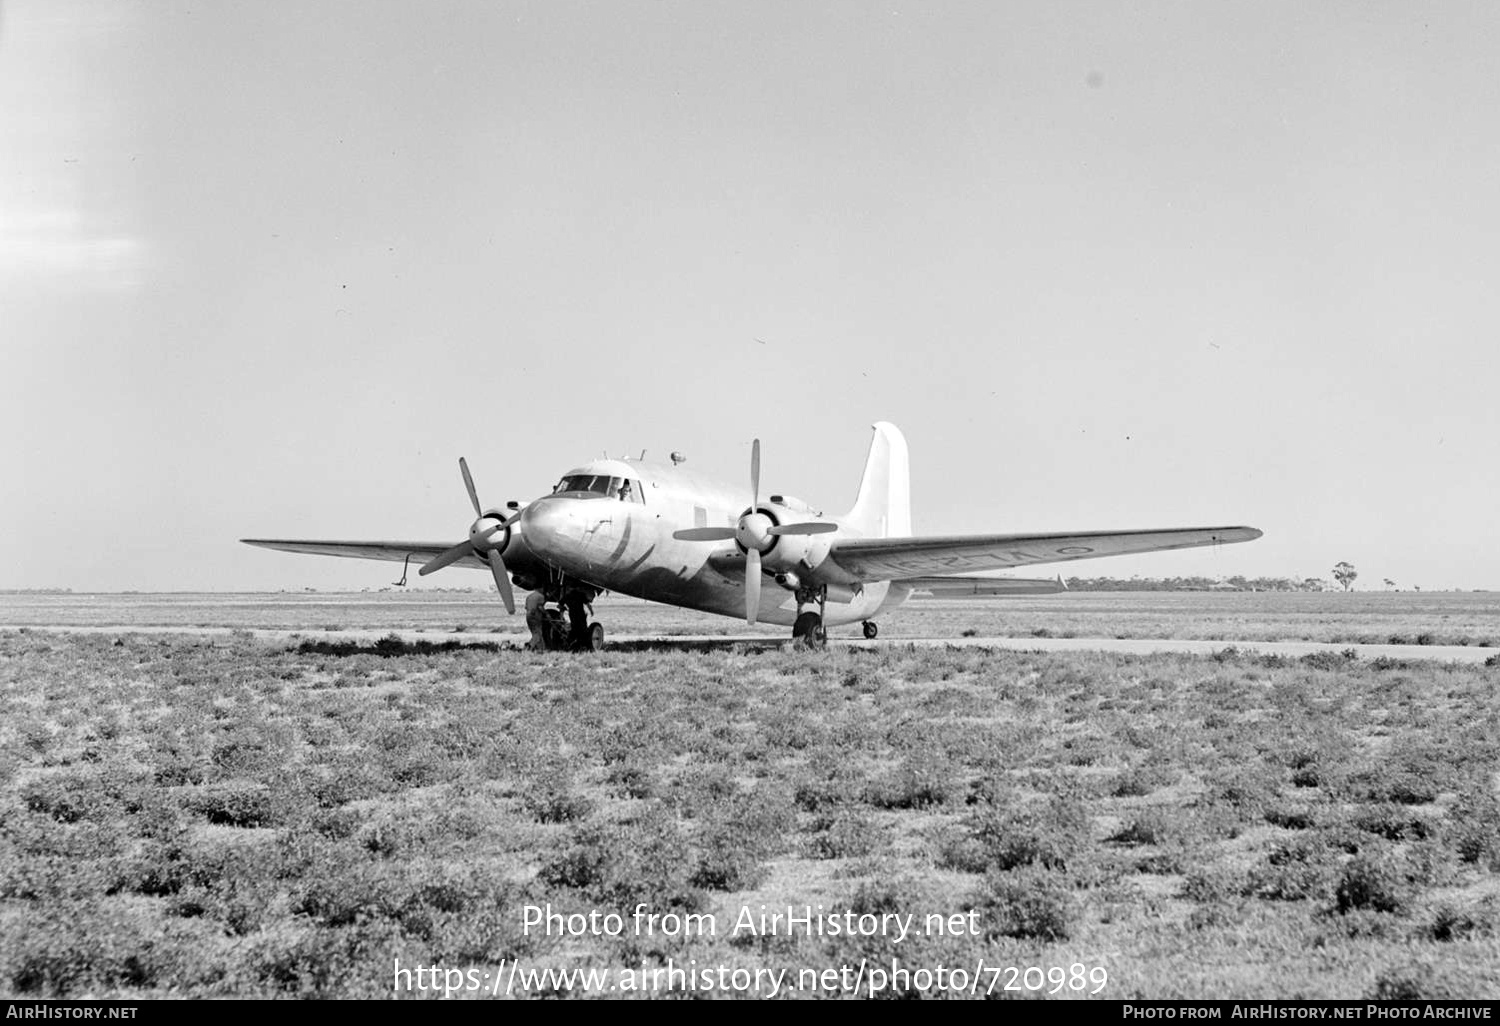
(656, 531)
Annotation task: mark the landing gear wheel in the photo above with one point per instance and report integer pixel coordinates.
(871, 629)
(808, 631)
(596, 637)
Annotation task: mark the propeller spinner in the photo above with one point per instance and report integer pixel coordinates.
(485, 527)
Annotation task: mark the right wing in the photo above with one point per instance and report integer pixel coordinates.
(395, 551)
(899, 559)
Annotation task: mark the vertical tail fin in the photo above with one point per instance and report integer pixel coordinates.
(882, 508)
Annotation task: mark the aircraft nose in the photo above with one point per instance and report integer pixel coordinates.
(551, 526)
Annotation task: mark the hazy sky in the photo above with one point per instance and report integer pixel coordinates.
(270, 269)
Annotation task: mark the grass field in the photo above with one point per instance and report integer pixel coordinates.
(229, 816)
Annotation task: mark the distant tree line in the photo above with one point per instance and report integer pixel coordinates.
(1236, 583)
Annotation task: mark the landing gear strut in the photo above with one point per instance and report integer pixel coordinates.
(808, 631)
(577, 605)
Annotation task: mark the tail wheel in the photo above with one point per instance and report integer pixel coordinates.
(871, 629)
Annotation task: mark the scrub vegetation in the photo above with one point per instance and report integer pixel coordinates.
(235, 816)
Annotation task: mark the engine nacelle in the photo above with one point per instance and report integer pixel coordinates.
(795, 551)
(795, 505)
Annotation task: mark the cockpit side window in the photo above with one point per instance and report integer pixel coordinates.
(629, 490)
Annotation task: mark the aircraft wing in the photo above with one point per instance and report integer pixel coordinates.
(900, 559)
(395, 551)
(956, 586)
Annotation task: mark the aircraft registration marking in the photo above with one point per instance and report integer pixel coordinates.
(979, 560)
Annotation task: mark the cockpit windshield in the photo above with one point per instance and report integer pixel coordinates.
(623, 488)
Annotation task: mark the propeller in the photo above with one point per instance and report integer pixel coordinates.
(483, 529)
(729, 533)
(756, 532)
(749, 524)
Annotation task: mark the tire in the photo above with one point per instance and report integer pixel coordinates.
(803, 629)
(871, 629)
(596, 637)
(808, 630)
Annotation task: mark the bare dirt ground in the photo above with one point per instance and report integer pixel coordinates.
(1442, 618)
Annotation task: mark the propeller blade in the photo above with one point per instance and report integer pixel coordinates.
(754, 474)
(463, 465)
(459, 551)
(808, 528)
(752, 585)
(502, 581)
(474, 546)
(705, 534)
(446, 558)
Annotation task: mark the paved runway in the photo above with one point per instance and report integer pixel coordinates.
(1137, 646)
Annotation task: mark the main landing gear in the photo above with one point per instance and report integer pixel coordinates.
(563, 626)
(808, 630)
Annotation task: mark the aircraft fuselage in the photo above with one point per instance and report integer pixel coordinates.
(627, 546)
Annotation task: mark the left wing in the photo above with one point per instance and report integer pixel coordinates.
(951, 587)
(900, 559)
(395, 551)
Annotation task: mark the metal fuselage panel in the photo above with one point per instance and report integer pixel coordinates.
(628, 548)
